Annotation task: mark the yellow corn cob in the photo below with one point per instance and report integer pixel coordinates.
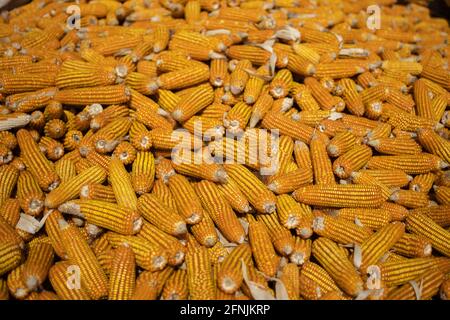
(290, 278)
(148, 68)
(10, 211)
(96, 191)
(288, 127)
(390, 178)
(217, 253)
(184, 193)
(444, 291)
(30, 195)
(122, 274)
(323, 97)
(373, 248)
(218, 71)
(183, 78)
(168, 140)
(16, 286)
(263, 251)
(301, 252)
(408, 122)
(423, 99)
(54, 233)
(71, 188)
(315, 281)
(176, 287)
(92, 278)
(59, 278)
(340, 230)
(150, 284)
(122, 184)
(414, 246)
(140, 137)
(323, 172)
(37, 265)
(262, 105)
(434, 143)
(199, 99)
(108, 137)
(290, 181)
(237, 118)
(383, 130)
(439, 214)
(442, 194)
(352, 160)
(125, 152)
(399, 272)
(362, 177)
(371, 218)
(395, 146)
(239, 76)
(409, 198)
(199, 272)
(255, 84)
(175, 249)
(254, 190)
(160, 215)
(143, 173)
(338, 266)
(424, 226)
(148, 256)
(428, 283)
(16, 83)
(350, 196)
(237, 200)
(105, 214)
(300, 65)
(220, 211)
(410, 164)
(11, 254)
(229, 277)
(353, 100)
(204, 231)
(104, 95)
(41, 168)
(281, 238)
(303, 97)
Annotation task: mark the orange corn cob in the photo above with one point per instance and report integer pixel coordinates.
(229, 277)
(395, 146)
(438, 214)
(104, 95)
(176, 287)
(105, 214)
(414, 246)
(409, 198)
(363, 196)
(204, 231)
(236, 199)
(41, 168)
(352, 160)
(37, 265)
(423, 225)
(199, 99)
(122, 274)
(92, 277)
(150, 284)
(30, 195)
(435, 144)
(362, 177)
(160, 215)
(184, 193)
(59, 276)
(390, 178)
(422, 182)
(281, 238)
(122, 184)
(315, 281)
(338, 266)
(148, 255)
(290, 181)
(237, 118)
(96, 191)
(428, 283)
(69, 189)
(142, 173)
(183, 78)
(263, 251)
(220, 211)
(199, 271)
(410, 164)
(371, 218)
(323, 172)
(254, 190)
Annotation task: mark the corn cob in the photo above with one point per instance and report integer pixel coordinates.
(263, 251)
(414, 246)
(92, 277)
(220, 211)
(37, 265)
(176, 287)
(175, 249)
(142, 173)
(435, 144)
(41, 168)
(281, 238)
(438, 214)
(352, 160)
(199, 273)
(428, 285)
(322, 167)
(59, 275)
(410, 164)
(337, 265)
(236, 199)
(105, 214)
(409, 198)
(350, 196)
(204, 231)
(390, 178)
(422, 182)
(29, 194)
(150, 284)
(229, 277)
(104, 95)
(254, 190)
(122, 274)
(148, 255)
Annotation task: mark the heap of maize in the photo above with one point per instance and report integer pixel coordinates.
(94, 204)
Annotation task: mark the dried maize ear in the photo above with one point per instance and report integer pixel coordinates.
(93, 279)
(41, 168)
(422, 182)
(264, 254)
(229, 276)
(236, 199)
(410, 164)
(409, 198)
(291, 181)
(371, 218)
(150, 284)
(412, 245)
(439, 214)
(254, 190)
(105, 214)
(176, 287)
(338, 266)
(423, 288)
(122, 274)
(321, 163)
(104, 95)
(122, 184)
(349, 196)
(29, 194)
(280, 236)
(37, 265)
(434, 144)
(352, 160)
(204, 231)
(142, 173)
(67, 289)
(199, 271)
